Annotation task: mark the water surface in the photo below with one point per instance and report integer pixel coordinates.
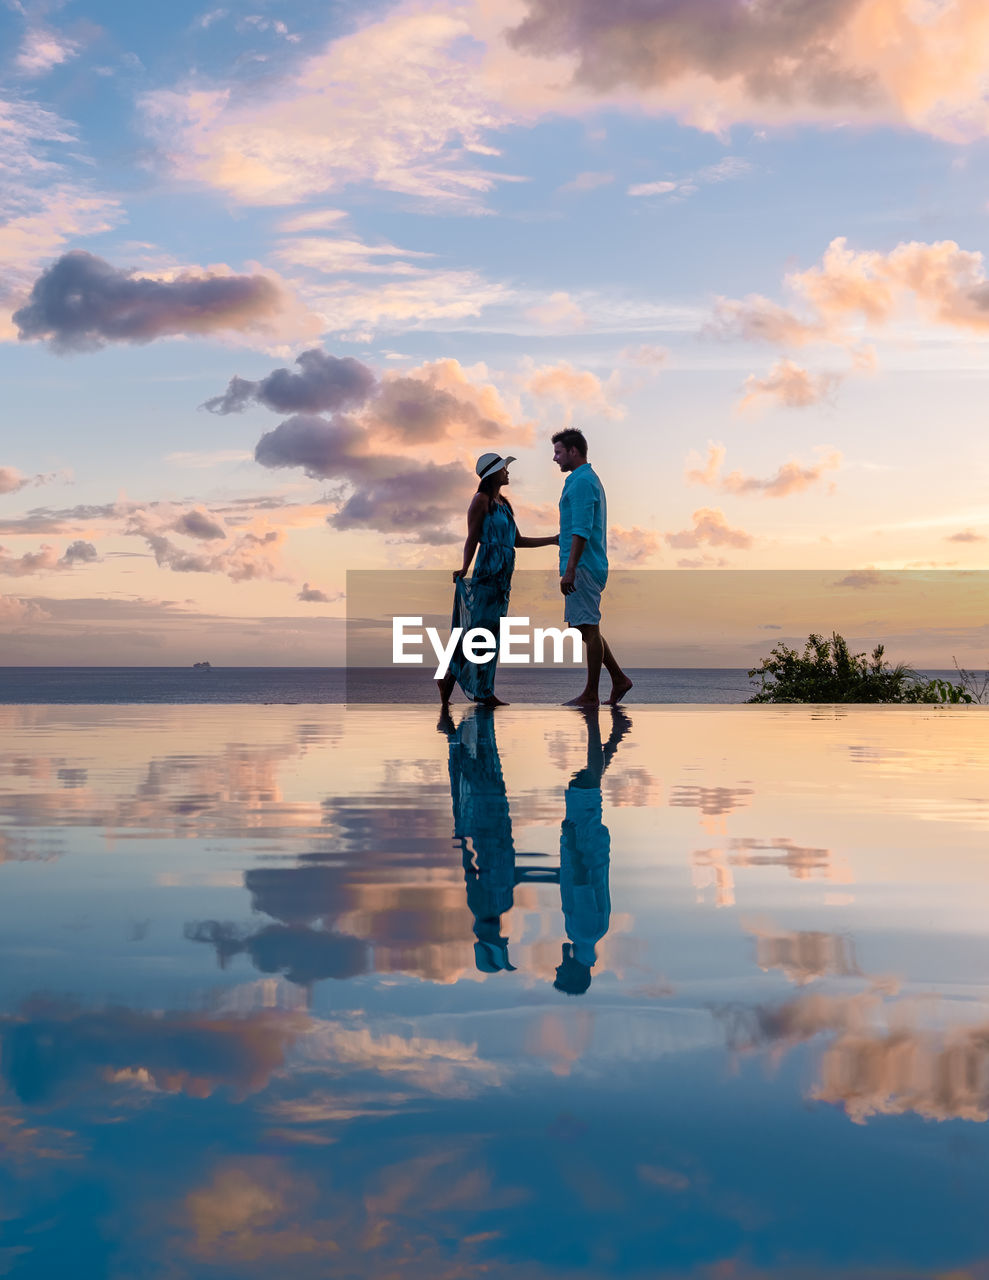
(320, 992)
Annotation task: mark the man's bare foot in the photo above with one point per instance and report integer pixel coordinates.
(618, 691)
(493, 701)
(583, 700)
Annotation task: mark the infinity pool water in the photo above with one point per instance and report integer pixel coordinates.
(309, 991)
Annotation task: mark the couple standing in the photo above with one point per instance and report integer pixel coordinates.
(482, 600)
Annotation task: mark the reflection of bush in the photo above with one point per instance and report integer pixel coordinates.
(828, 672)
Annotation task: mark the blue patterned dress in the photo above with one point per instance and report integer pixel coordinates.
(483, 601)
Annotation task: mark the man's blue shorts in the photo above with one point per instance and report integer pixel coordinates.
(583, 605)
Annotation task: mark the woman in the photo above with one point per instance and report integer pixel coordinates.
(483, 601)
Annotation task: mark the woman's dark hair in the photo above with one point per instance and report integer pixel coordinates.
(571, 438)
(487, 487)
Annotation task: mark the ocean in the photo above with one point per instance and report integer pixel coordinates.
(386, 685)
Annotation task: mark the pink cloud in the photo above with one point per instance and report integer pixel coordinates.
(559, 312)
(789, 385)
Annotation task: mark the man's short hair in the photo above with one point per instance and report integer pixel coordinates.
(571, 438)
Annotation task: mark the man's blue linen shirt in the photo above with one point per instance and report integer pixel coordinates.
(584, 511)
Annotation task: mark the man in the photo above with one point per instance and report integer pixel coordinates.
(585, 858)
(584, 563)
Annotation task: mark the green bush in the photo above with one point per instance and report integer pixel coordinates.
(828, 672)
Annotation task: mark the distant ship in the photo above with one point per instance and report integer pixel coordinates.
(201, 666)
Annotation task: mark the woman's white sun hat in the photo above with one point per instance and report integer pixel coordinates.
(489, 463)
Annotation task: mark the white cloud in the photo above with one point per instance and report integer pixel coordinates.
(397, 104)
(42, 204)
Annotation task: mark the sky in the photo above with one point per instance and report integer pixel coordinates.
(273, 275)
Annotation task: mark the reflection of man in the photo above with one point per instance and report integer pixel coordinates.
(483, 826)
(585, 857)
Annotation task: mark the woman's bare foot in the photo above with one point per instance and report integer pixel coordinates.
(618, 691)
(493, 701)
(583, 700)
(445, 687)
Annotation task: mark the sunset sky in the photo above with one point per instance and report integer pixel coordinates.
(273, 275)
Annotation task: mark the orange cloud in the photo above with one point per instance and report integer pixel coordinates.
(569, 386)
(804, 956)
(880, 1062)
(791, 477)
(631, 546)
(712, 529)
(850, 290)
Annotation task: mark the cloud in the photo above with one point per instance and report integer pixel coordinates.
(863, 580)
(313, 595)
(714, 63)
(199, 524)
(81, 303)
(408, 301)
(965, 535)
(702, 562)
(250, 555)
(849, 294)
(710, 528)
(569, 386)
(879, 1061)
(337, 449)
(590, 180)
(11, 480)
(789, 385)
(713, 802)
(63, 1051)
(15, 612)
(396, 104)
(303, 955)
(791, 477)
(661, 188)
(724, 170)
(324, 383)
(428, 407)
(46, 560)
(559, 312)
(420, 503)
(42, 49)
(315, 220)
(631, 546)
(43, 204)
(79, 552)
(439, 400)
(646, 354)
(804, 956)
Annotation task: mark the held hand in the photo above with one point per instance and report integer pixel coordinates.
(567, 582)
(459, 573)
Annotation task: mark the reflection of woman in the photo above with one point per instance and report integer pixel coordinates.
(483, 601)
(482, 825)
